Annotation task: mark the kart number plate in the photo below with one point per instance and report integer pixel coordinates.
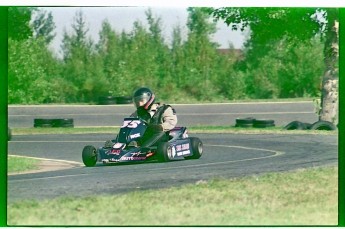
(130, 124)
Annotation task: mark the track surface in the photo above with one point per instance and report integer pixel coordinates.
(226, 155)
(188, 115)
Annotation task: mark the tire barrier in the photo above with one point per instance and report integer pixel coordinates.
(319, 125)
(296, 125)
(106, 100)
(307, 125)
(323, 125)
(65, 122)
(263, 123)
(110, 100)
(244, 122)
(9, 134)
(39, 122)
(124, 100)
(252, 122)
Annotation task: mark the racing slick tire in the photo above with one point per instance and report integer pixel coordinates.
(197, 148)
(164, 152)
(89, 156)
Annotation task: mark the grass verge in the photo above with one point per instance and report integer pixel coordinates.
(21, 164)
(303, 197)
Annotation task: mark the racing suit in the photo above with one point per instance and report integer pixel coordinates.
(160, 119)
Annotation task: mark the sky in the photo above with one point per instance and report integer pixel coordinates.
(172, 13)
(122, 18)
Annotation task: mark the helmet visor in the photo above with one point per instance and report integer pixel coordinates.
(141, 100)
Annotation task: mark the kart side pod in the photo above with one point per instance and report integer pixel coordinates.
(189, 148)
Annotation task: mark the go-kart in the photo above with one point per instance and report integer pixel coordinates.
(125, 148)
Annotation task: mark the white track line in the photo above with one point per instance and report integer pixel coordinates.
(48, 159)
(275, 154)
(54, 141)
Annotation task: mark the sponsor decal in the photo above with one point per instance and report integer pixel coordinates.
(181, 153)
(136, 154)
(114, 160)
(132, 158)
(182, 147)
(135, 135)
(115, 151)
(130, 123)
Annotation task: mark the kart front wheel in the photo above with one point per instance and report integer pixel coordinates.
(89, 156)
(197, 148)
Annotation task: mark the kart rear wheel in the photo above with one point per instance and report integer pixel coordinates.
(164, 152)
(89, 156)
(197, 148)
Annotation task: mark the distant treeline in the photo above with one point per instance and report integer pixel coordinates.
(191, 69)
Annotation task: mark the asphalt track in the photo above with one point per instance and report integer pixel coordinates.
(212, 114)
(225, 156)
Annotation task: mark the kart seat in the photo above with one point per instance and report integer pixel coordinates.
(176, 132)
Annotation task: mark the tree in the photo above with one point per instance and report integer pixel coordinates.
(19, 22)
(111, 49)
(30, 72)
(82, 65)
(199, 55)
(176, 54)
(43, 26)
(271, 24)
(159, 49)
(330, 81)
(32, 67)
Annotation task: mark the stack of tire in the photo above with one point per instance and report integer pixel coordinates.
(319, 125)
(106, 100)
(110, 100)
(9, 134)
(256, 123)
(124, 100)
(64, 122)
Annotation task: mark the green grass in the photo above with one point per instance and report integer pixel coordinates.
(21, 164)
(304, 197)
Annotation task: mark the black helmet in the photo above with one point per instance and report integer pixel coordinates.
(143, 97)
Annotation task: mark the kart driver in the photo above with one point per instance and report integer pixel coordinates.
(160, 118)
